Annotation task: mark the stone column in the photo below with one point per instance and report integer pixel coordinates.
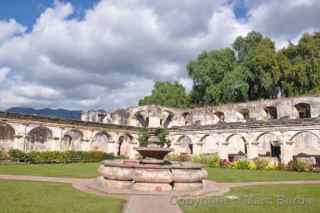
(286, 152)
(252, 150)
(223, 151)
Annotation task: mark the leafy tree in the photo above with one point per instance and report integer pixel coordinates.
(261, 67)
(249, 71)
(208, 72)
(167, 94)
(252, 69)
(303, 73)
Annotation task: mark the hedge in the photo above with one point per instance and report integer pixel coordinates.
(58, 157)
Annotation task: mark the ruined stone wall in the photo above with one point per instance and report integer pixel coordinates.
(225, 130)
(155, 116)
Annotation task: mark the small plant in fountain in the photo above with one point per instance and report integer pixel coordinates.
(143, 137)
(163, 137)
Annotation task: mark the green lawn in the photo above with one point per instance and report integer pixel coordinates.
(238, 175)
(38, 197)
(81, 170)
(85, 170)
(262, 199)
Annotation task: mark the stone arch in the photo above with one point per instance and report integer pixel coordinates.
(185, 144)
(303, 110)
(72, 139)
(37, 137)
(272, 112)
(220, 115)
(268, 144)
(39, 134)
(305, 142)
(142, 118)
(124, 145)
(167, 119)
(187, 118)
(101, 141)
(236, 145)
(209, 145)
(7, 132)
(245, 113)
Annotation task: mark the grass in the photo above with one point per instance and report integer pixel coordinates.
(260, 199)
(238, 175)
(80, 170)
(87, 170)
(39, 197)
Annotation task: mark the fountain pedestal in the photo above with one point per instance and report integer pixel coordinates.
(152, 173)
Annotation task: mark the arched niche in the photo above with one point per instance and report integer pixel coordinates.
(101, 142)
(185, 145)
(245, 113)
(7, 132)
(187, 117)
(71, 139)
(236, 146)
(272, 112)
(268, 145)
(303, 110)
(37, 137)
(124, 143)
(142, 118)
(219, 115)
(209, 145)
(305, 143)
(168, 117)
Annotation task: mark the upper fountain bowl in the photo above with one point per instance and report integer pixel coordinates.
(153, 152)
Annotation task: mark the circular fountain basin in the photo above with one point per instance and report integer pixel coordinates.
(134, 175)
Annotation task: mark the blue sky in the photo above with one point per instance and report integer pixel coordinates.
(27, 11)
(51, 55)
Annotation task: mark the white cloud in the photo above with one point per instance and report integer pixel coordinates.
(9, 29)
(4, 71)
(110, 57)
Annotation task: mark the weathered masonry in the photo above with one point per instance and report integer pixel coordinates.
(278, 129)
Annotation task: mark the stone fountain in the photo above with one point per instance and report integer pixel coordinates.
(152, 173)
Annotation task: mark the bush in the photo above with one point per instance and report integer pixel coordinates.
(58, 157)
(261, 164)
(271, 166)
(252, 165)
(18, 156)
(241, 164)
(2, 154)
(301, 166)
(225, 163)
(212, 160)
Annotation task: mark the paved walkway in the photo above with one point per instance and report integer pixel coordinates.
(147, 203)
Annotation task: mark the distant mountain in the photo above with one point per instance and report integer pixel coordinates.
(53, 113)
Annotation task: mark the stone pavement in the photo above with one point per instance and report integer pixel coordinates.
(147, 203)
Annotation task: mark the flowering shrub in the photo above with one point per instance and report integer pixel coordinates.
(241, 164)
(225, 164)
(252, 165)
(212, 160)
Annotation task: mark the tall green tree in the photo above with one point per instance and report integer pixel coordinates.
(249, 71)
(302, 75)
(167, 94)
(208, 72)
